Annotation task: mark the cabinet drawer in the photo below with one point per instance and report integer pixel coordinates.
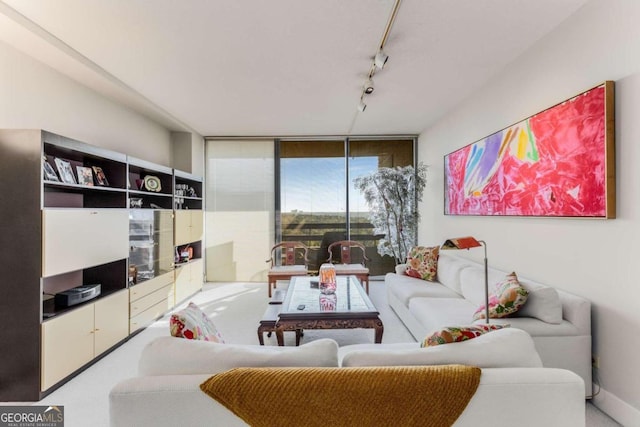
(148, 316)
(151, 285)
(147, 301)
(74, 239)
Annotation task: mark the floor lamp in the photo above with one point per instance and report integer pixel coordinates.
(468, 243)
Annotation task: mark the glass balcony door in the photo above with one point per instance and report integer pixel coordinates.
(312, 194)
(317, 202)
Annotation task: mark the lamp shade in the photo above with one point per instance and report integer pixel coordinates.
(461, 243)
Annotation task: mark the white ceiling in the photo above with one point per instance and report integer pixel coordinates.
(281, 67)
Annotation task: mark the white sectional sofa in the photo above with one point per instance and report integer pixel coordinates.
(167, 392)
(559, 322)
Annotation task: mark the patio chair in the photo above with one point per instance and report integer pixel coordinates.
(343, 263)
(287, 253)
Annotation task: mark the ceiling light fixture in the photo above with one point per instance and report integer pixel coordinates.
(379, 60)
(368, 86)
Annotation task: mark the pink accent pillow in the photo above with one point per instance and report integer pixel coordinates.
(508, 297)
(422, 262)
(450, 334)
(192, 323)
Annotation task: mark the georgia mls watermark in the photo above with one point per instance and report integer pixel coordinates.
(31, 416)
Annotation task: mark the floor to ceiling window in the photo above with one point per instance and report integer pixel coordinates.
(316, 201)
(239, 203)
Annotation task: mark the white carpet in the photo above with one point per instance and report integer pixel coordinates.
(236, 309)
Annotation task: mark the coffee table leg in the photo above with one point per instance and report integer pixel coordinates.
(280, 336)
(379, 330)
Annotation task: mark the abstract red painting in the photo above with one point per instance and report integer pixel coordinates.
(559, 163)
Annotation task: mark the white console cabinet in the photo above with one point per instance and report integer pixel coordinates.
(189, 226)
(73, 339)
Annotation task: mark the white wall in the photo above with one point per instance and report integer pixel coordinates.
(596, 259)
(34, 96)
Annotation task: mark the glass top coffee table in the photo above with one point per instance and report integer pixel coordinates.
(305, 307)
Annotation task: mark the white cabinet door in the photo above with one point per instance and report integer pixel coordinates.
(189, 226)
(188, 279)
(183, 279)
(182, 227)
(197, 225)
(67, 344)
(197, 275)
(111, 320)
(74, 239)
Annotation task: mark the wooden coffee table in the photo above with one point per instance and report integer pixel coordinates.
(304, 307)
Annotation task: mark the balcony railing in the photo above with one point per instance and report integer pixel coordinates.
(318, 236)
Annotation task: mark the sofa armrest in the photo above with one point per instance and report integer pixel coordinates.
(577, 311)
(169, 400)
(401, 268)
(535, 396)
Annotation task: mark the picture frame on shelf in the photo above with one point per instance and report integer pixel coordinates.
(101, 178)
(85, 175)
(49, 173)
(65, 171)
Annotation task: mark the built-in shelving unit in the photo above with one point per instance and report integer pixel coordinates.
(78, 215)
(151, 255)
(188, 234)
(65, 215)
(150, 185)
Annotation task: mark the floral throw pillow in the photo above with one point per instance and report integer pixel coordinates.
(194, 324)
(508, 297)
(422, 262)
(451, 334)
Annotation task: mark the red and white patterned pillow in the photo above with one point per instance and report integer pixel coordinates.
(507, 298)
(194, 324)
(450, 334)
(422, 262)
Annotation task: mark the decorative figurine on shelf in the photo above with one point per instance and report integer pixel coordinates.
(152, 183)
(133, 274)
(327, 278)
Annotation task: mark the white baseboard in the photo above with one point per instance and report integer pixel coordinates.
(616, 408)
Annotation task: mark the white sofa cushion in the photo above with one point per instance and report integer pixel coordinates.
(406, 288)
(536, 327)
(472, 283)
(543, 303)
(434, 313)
(504, 348)
(176, 356)
(449, 269)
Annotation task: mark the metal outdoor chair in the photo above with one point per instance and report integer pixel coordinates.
(283, 262)
(343, 262)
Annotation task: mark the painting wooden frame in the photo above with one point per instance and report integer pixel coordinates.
(557, 163)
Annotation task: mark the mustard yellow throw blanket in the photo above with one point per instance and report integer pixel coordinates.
(372, 396)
